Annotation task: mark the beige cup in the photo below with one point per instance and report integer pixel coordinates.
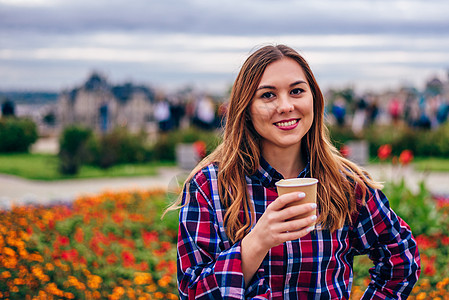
(305, 185)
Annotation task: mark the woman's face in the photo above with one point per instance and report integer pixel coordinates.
(282, 108)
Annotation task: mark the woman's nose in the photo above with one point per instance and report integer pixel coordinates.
(284, 105)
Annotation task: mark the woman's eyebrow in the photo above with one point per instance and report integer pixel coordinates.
(298, 82)
(273, 88)
(265, 87)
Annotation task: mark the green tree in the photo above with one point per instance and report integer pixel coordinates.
(17, 134)
(73, 148)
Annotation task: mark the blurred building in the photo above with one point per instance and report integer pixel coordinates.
(101, 106)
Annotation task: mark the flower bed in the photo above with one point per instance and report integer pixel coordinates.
(110, 246)
(114, 246)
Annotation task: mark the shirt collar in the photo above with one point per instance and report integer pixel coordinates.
(268, 175)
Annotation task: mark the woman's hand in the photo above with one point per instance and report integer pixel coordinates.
(278, 224)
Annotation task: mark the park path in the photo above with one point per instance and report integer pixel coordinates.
(18, 191)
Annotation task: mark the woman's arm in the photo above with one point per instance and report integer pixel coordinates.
(389, 242)
(207, 269)
(274, 228)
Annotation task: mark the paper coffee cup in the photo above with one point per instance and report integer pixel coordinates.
(305, 185)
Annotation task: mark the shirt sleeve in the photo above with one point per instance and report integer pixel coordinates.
(208, 268)
(389, 243)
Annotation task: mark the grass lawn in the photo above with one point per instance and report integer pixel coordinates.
(45, 167)
(422, 164)
(431, 164)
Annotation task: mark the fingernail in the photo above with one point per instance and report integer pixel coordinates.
(301, 195)
(313, 205)
(311, 228)
(313, 218)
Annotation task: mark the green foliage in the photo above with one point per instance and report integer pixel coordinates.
(117, 147)
(73, 148)
(164, 148)
(423, 143)
(17, 134)
(417, 209)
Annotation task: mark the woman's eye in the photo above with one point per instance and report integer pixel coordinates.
(267, 95)
(297, 91)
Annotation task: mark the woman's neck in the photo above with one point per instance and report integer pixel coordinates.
(287, 162)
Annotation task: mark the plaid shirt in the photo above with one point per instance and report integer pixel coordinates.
(316, 266)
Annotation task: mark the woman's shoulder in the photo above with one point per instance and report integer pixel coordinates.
(205, 177)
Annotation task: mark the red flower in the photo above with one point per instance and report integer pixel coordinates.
(406, 157)
(118, 218)
(200, 148)
(69, 255)
(345, 151)
(128, 259)
(428, 264)
(127, 243)
(143, 266)
(384, 151)
(62, 240)
(111, 258)
(149, 237)
(425, 242)
(445, 241)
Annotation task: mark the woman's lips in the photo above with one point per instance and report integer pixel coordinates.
(287, 124)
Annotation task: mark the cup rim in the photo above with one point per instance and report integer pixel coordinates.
(281, 182)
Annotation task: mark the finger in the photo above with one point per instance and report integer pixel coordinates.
(297, 224)
(296, 210)
(286, 199)
(294, 235)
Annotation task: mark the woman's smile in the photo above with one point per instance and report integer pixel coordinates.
(287, 124)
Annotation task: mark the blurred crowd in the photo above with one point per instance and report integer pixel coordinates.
(204, 113)
(422, 110)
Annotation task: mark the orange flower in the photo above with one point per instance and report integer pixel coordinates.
(79, 235)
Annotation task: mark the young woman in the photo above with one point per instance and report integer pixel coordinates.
(238, 239)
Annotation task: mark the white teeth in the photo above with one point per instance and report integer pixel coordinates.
(289, 123)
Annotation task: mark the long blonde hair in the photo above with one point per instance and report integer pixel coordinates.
(239, 153)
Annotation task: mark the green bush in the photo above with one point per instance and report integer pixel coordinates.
(418, 209)
(119, 146)
(73, 150)
(17, 134)
(422, 142)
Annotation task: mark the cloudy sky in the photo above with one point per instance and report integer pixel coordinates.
(369, 44)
